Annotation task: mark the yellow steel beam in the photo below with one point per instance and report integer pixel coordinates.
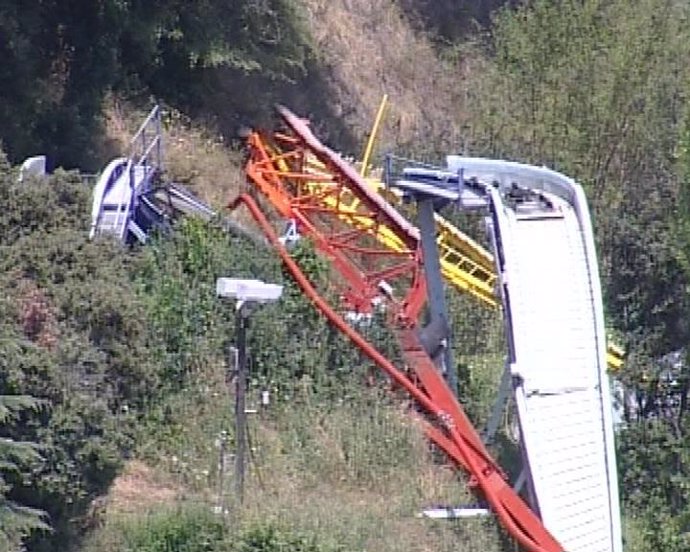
(458, 267)
(465, 264)
(372, 136)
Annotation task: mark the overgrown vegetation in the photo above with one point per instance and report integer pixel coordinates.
(130, 354)
(127, 350)
(16, 521)
(61, 58)
(193, 529)
(598, 90)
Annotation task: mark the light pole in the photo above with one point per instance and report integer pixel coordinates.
(247, 294)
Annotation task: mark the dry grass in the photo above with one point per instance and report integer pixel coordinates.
(356, 476)
(140, 488)
(321, 488)
(193, 155)
(371, 49)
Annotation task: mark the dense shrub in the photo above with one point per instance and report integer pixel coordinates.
(71, 333)
(191, 528)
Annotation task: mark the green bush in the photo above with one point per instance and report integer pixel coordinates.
(191, 528)
(71, 333)
(182, 530)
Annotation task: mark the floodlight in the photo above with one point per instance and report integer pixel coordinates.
(254, 291)
(247, 294)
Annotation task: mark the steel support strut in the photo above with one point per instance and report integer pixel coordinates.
(285, 168)
(436, 293)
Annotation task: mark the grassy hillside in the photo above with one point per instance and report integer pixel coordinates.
(128, 347)
(351, 476)
(369, 49)
(335, 461)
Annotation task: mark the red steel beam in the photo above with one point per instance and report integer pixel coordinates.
(335, 163)
(283, 176)
(449, 427)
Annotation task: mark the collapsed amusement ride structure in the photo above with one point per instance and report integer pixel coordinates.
(543, 273)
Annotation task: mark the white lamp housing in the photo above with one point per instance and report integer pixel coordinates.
(254, 291)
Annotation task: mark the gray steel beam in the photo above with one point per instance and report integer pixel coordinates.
(435, 289)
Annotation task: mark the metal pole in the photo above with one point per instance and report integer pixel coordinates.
(504, 390)
(222, 446)
(241, 321)
(159, 144)
(372, 137)
(434, 284)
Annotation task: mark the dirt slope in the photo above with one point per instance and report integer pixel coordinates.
(369, 48)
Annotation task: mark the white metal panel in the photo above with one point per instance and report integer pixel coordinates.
(113, 197)
(119, 192)
(561, 407)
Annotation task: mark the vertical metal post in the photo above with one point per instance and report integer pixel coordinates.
(499, 407)
(434, 284)
(222, 452)
(241, 321)
(159, 137)
(372, 137)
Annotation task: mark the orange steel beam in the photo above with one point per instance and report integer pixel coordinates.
(281, 173)
(448, 426)
(278, 167)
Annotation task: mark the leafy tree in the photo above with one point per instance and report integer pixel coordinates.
(595, 89)
(60, 58)
(16, 520)
(453, 20)
(71, 334)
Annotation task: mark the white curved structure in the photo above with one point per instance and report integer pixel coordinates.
(126, 201)
(551, 292)
(33, 166)
(109, 194)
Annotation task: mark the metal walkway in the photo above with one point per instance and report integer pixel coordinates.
(130, 197)
(552, 299)
(119, 187)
